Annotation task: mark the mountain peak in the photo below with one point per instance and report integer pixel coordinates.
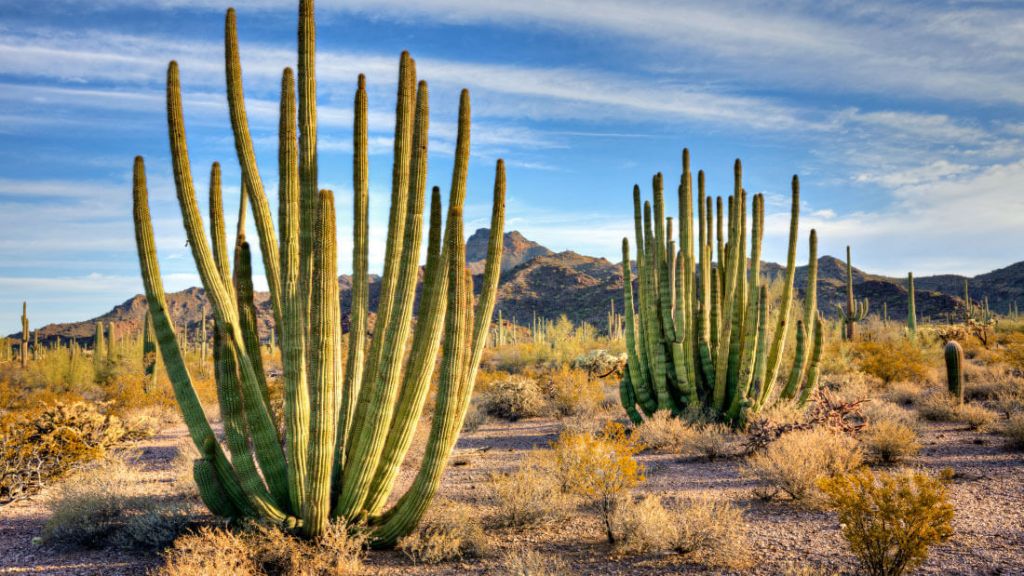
(517, 250)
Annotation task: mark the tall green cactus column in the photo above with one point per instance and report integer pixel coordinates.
(911, 307)
(954, 354)
(24, 335)
(348, 422)
(856, 310)
(150, 357)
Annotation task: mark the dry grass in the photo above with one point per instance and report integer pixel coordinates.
(531, 495)
(713, 533)
(937, 405)
(109, 504)
(975, 416)
(903, 393)
(889, 441)
(262, 551)
(711, 441)
(1013, 430)
(573, 393)
(794, 463)
(522, 561)
(451, 531)
(643, 526)
(476, 416)
(663, 432)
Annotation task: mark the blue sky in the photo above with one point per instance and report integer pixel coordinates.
(903, 119)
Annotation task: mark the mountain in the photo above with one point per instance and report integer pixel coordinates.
(536, 280)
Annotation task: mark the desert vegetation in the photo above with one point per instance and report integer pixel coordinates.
(719, 416)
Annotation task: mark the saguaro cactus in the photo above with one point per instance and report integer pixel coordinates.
(697, 334)
(955, 370)
(348, 422)
(911, 306)
(24, 335)
(856, 310)
(99, 349)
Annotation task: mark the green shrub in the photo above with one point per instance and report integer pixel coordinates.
(890, 520)
(892, 361)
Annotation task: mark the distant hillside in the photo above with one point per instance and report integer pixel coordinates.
(536, 280)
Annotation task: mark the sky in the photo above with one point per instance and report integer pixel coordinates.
(903, 120)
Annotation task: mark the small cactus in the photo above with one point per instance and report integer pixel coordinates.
(955, 370)
(24, 334)
(856, 310)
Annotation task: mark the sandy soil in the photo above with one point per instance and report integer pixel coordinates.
(987, 492)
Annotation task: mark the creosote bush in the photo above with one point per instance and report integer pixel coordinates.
(1013, 430)
(523, 561)
(574, 393)
(794, 463)
(663, 432)
(893, 360)
(710, 441)
(975, 416)
(451, 531)
(889, 441)
(713, 533)
(643, 525)
(514, 398)
(598, 468)
(890, 519)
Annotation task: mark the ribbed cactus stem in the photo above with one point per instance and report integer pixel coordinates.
(24, 335)
(911, 306)
(954, 354)
(149, 354)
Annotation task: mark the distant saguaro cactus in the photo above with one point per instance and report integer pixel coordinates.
(911, 306)
(856, 310)
(150, 356)
(955, 370)
(348, 423)
(99, 350)
(24, 334)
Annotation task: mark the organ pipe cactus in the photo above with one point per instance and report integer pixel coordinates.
(149, 354)
(348, 421)
(24, 335)
(955, 370)
(697, 332)
(99, 349)
(856, 310)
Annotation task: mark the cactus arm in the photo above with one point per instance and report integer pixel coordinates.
(392, 256)
(651, 315)
(247, 316)
(268, 450)
(181, 383)
(646, 376)
(812, 369)
(634, 365)
(365, 454)
(294, 300)
(779, 335)
(325, 367)
(211, 490)
(426, 343)
(247, 160)
(797, 371)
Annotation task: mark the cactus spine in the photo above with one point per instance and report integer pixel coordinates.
(856, 310)
(23, 350)
(348, 422)
(697, 332)
(955, 370)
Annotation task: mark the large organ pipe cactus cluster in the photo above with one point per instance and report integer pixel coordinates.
(856, 310)
(348, 421)
(697, 331)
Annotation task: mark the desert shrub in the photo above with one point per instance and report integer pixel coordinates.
(642, 525)
(710, 441)
(975, 416)
(513, 398)
(522, 561)
(261, 551)
(903, 392)
(109, 505)
(599, 468)
(890, 520)
(476, 416)
(663, 432)
(891, 361)
(890, 441)
(531, 495)
(450, 531)
(600, 363)
(937, 405)
(793, 464)
(713, 533)
(877, 411)
(989, 382)
(1013, 430)
(851, 386)
(573, 392)
(39, 446)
